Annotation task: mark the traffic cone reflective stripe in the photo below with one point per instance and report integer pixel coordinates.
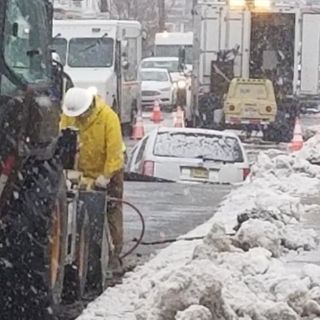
(178, 118)
(156, 115)
(297, 142)
(138, 129)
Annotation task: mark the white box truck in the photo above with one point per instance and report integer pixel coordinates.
(104, 54)
(265, 39)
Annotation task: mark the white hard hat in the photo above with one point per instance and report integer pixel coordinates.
(77, 101)
(56, 57)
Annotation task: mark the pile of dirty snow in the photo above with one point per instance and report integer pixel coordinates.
(311, 149)
(238, 270)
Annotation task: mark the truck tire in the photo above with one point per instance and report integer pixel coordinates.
(76, 274)
(281, 130)
(33, 243)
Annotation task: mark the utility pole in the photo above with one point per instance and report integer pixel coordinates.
(162, 15)
(105, 5)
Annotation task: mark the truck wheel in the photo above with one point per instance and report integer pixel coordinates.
(33, 242)
(76, 274)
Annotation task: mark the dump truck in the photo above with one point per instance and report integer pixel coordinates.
(45, 245)
(262, 39)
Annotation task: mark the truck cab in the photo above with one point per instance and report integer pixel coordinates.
(104, 54)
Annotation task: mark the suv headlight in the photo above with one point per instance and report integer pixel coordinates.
(182, 84)
(166, 89)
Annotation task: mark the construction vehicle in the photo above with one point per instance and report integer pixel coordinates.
(104, 54)
(44, 225)
(258, 39)
(250, 102)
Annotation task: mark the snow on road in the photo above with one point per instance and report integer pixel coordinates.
(243, 274)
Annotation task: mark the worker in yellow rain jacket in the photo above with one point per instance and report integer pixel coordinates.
(100, 154)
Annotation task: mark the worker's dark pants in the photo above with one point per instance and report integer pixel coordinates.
(115, 214)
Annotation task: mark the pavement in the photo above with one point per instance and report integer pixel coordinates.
(169, 210)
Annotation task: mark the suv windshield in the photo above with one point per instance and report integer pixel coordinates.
(26, 41)
(192, 145)
(90, 52)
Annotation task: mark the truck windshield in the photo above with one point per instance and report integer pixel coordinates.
(26, 41)
(173, 51)
(90, 53)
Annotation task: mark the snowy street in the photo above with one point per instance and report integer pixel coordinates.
(268, 269)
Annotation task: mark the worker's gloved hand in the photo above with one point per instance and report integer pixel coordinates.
(102, 182)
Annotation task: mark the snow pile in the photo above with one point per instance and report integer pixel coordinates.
(311, 149)
(292, 174)
(258, 233)
(231, 285)
(235, 272)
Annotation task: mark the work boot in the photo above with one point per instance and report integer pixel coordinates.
(115, 272)
(115, 266)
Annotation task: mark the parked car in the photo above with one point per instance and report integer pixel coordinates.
(156, 84)
(190, 155)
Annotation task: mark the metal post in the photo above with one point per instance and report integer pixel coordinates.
(105, 5)
(162, 15)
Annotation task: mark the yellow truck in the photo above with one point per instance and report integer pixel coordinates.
(250, 102)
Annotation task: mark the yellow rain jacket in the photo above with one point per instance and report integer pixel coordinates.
(101, 144)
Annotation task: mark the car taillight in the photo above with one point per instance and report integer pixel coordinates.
(232, 108)
(5, 171)
(268, 109)
(148, 168)
(246, 172)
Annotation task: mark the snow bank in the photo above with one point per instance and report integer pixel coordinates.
(311, 150)
(235, 272)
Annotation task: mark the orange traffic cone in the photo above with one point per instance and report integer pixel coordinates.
(138, 129)
(178, 118)
(156, 115)
(297, 142)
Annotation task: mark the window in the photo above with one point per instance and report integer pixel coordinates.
(60, 45)
(26, 40)
(138, 164)
(254, 91)
(192, 145)
(173, 51)
(130, 54)
(154, 76)
(90, 53)
(171, 66)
